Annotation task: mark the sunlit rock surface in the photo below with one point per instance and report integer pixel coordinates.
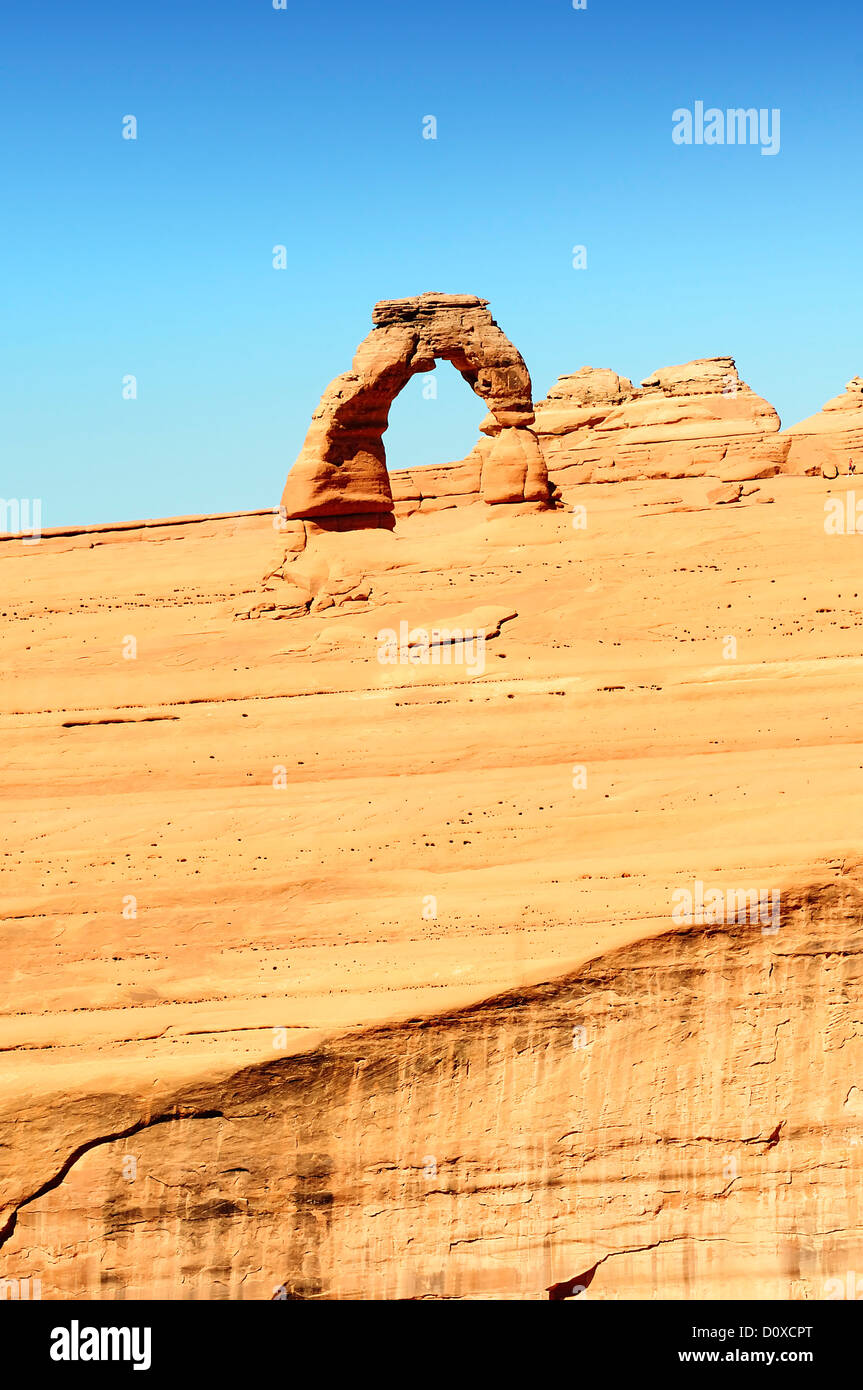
(334, 976)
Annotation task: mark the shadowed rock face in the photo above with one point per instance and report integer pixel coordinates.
(674, 1116)
(341, 470)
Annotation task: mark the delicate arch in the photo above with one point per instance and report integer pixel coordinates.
(341, 470)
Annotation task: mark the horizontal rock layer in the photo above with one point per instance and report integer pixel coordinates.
(694, 419)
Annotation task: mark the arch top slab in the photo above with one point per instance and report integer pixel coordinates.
(341, 469)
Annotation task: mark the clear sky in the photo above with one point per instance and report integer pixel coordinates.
(303, 127)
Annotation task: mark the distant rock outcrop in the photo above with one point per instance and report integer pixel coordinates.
(698, 418)
(341, 470)
(830, 442)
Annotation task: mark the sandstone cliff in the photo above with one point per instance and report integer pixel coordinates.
(699, 418)
(332, 978)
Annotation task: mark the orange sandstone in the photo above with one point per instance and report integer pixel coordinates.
(331, 978)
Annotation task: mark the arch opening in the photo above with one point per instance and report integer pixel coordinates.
(434, 420)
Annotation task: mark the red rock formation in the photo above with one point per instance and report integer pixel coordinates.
(830, 442)
(699, 418)
(436, 488)
(341, 470)
(238, 1056)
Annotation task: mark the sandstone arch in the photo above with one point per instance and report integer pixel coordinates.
(341, 470)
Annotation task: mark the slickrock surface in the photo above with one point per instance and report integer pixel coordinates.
(353, 978)
(831, 441)
(699, 418)
(437, 487)
(341, 470)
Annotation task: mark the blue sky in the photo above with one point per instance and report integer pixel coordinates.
(303, 127)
